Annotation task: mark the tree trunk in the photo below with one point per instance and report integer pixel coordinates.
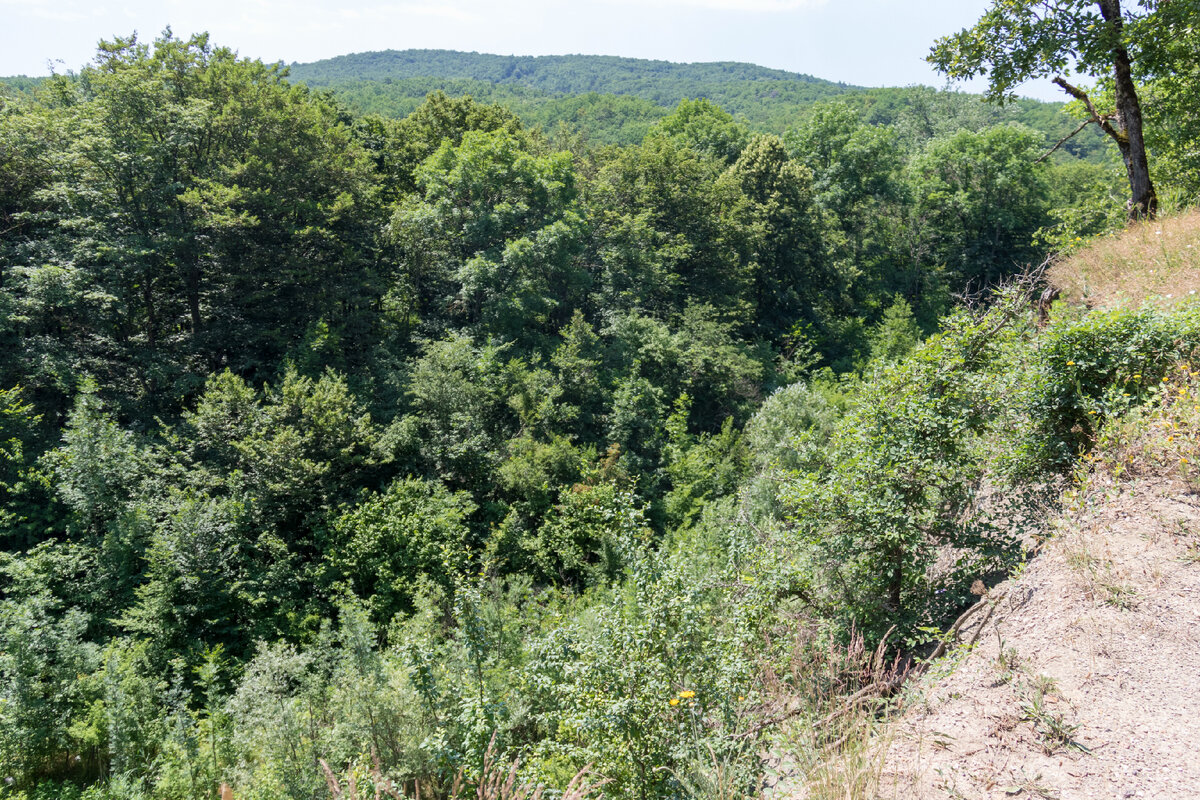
(192, 278)
(1143, 202)
(151, 317)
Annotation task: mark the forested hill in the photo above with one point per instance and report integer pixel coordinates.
(613, 100)
(663, 82)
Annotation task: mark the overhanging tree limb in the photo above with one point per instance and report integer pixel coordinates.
(1064, 140)
(1016, 40)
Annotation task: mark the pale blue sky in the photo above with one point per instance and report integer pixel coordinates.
(867, 42)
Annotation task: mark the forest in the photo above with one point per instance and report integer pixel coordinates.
(609, 100)
(340, 447)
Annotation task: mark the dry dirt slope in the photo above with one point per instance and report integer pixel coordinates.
(1085, 682)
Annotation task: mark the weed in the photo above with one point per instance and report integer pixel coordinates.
(1080, 559)
(1119, 595)
(1031, 787)
(949, 785)
(1045, 685)
(1008, 662)
(1052, 728)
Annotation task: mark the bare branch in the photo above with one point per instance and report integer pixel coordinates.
(1103, 120)
(1065, 139)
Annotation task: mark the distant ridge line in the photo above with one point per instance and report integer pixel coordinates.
(536, 71)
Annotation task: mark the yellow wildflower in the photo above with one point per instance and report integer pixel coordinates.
(687, 695)
(674, 701)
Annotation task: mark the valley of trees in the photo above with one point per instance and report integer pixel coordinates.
(376, 438)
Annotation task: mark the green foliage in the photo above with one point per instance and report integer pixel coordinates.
(1172, 125)
(1092, 369)
(27, 510)
(980, 198)
(901, 476)
(1144, 41)
(387, 544)
(493, 234)
(1016, 41)
(182, 242)
(616, 100)
(662, 237)
(645, 686)
(791, 279)
(374, 441)
(705, 128)
(458, 416)
(896, 334)
(98, 466)
(701, 469)
(44, 663)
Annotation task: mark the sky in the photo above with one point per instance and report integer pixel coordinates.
(863, 42)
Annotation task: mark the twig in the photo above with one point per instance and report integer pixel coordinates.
(1065, 139)
(952, 633)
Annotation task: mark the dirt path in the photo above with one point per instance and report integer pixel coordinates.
(1086, 681)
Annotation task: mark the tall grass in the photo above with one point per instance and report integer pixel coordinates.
(836, 741)
(1156, 261)
(497, 781)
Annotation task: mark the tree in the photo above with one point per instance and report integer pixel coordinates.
(493, 236)
(382, 547)
(978, 199)
(186, 209)
(790, 277)
(706, 129)
(1017, 40)
(1172, 116)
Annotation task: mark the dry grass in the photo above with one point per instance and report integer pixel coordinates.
(1155, 261)
(498, 781)
(833, 749)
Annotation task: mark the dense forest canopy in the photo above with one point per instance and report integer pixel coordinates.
(614, 100)
(372, 439)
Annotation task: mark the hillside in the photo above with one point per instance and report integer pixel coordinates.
(1167, 250)
(614, 100)
(663, 82)
(1074, 677)
(1082, 683)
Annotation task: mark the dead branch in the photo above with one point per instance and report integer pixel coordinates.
(952, 633)
(1065, 139)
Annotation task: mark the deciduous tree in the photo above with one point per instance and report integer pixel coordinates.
(1017, 40)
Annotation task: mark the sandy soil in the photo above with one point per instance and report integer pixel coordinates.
(1085, 682)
